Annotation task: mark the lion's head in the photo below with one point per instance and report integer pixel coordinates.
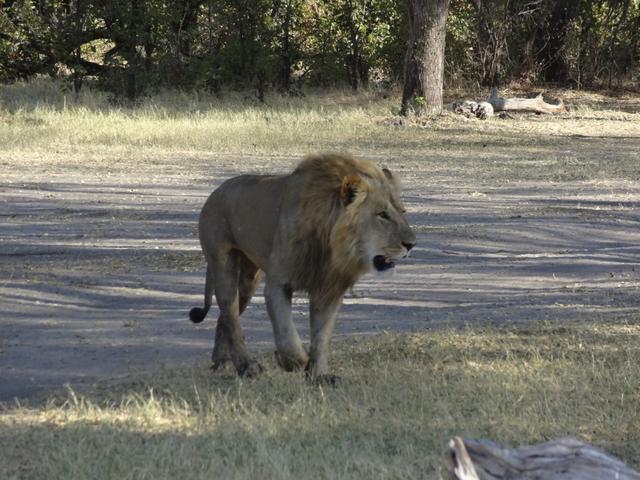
(351, 222)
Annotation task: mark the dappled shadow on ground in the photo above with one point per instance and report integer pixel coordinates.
(96, 279)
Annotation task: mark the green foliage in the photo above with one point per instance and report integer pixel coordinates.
(137, 46)
(581, 43)
(23, 36)
(420, 101)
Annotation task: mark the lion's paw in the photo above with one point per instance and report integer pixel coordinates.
(290, 363)
(250, 369)
(218, 362)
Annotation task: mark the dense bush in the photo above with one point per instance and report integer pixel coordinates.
(133, 46)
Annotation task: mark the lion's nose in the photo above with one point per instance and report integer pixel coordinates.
(408, 245)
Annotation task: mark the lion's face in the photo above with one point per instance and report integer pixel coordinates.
(388, 236)
(375, 222)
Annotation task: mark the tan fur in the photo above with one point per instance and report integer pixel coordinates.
(316, 230)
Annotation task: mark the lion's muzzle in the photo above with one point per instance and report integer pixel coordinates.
(382, 263)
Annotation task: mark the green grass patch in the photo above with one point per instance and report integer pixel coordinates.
(402, 396)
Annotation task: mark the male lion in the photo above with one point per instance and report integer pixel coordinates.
(317, 230)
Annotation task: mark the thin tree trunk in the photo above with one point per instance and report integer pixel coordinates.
(182, 25)
(583, 75)
(424, 63)
(77, 74)
(351, 59)
(614, 39)
(286, 54)
(149, 48)
(213, 83)
(132, 60)
(487, 44)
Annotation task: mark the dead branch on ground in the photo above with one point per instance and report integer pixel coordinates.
(485, 109)
(560, 459)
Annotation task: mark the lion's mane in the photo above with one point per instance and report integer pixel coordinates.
(324, 250)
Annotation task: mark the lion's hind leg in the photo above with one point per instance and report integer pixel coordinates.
(248, 279)
(221, 348)
(229, 335)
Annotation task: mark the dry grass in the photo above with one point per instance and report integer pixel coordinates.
(57, 130)
(49, 133)
(401, 398)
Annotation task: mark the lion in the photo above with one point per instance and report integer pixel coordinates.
(317, 230)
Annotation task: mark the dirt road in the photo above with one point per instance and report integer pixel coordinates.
(99, 268)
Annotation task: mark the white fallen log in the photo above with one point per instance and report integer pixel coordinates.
(535, 105)
(560, 459)
(485, 109)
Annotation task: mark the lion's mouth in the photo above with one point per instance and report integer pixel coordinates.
(382, 263)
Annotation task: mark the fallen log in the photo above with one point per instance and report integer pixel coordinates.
(560, 459)
(485, 109)
(535, 105)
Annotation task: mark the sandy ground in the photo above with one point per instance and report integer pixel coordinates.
(98, 269)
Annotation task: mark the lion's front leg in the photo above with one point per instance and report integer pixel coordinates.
(290, 354)
(323, 319)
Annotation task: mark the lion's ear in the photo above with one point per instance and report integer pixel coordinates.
(350, 186)
(393, 180)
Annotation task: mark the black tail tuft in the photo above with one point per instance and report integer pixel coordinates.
(197, 314)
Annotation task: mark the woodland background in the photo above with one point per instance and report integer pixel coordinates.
(135, 47)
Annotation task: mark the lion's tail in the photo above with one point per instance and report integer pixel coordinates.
(197, 314)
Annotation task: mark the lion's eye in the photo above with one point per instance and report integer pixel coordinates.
(384, 215)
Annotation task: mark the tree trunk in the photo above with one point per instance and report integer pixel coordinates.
(286, 60)
(183, 24)
(424, 63)
(353, 57)
(614, 39)
(584, 74)
(77, 55)
(213, 83)
(132, 55)
(561, 459)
